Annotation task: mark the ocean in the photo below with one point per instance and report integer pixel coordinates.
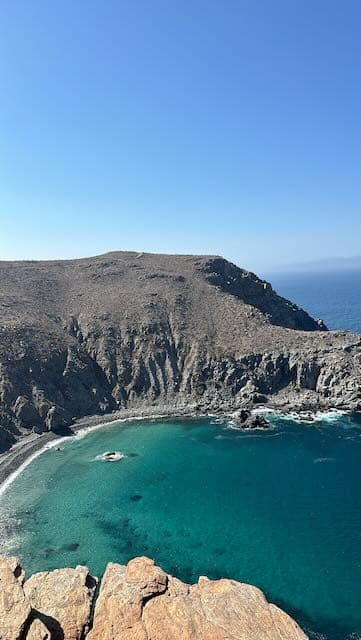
(278, 509)
(333, 296)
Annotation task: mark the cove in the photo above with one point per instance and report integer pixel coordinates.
(279, 509)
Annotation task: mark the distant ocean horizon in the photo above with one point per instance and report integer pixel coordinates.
(333, 296)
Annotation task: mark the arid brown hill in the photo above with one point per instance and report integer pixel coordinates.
(80, 337)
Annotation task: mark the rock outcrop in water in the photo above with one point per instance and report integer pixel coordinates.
(135, 602)
(128, 331)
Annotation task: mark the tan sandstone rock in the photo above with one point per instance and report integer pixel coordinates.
(140, 602)
(118, 611)
(38, 631)
(14, 606)
(136, 602)
(63, 599)
(218, 610)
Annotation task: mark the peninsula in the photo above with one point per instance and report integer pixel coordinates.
(127, 333)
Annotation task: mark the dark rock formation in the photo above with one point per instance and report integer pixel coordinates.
(127, 330)
(246, 420)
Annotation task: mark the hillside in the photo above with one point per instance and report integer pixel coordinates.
(127, 330)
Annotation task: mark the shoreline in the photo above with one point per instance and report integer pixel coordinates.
(20, 455)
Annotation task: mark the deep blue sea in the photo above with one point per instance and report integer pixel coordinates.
(333, 296)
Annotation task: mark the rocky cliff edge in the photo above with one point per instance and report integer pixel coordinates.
(134, 602)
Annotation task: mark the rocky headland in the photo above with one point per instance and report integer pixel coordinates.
(134, 602)
(132, 334)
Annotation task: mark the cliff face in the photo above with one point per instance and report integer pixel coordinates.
(135, 602)
(127, 330)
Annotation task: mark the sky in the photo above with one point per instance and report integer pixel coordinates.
(192, 126)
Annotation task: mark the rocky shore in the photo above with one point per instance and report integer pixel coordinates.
(29, 447)
(134, 602)
(124, 333)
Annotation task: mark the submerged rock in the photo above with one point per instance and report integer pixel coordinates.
(136, 602)
(73, 546)
(111, 456)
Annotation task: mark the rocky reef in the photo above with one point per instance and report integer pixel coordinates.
(125, 331)
(134, 602)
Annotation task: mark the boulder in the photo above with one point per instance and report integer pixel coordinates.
(14, 606)
(215, 610)
(140, 602)
(246, 420)
(62, 600)
(123, 593)
(136, 602)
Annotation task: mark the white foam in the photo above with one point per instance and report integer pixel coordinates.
(309, 417)
(331, 416)
(261, 410)
(115, 456)
(80, 433)
(10, 479)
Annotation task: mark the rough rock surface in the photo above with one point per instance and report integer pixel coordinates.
(14, 606)
(38, 631)
(150, 605)
(127, 330)
(136, 602)
(62, 600)
(124, 590)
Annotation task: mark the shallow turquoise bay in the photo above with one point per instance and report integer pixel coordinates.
(279, 509)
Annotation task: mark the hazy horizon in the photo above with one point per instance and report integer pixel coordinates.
(331, 264)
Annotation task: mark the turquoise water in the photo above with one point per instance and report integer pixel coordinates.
(278, 509)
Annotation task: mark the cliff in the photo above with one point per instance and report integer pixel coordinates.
(126, 331)
(135, 602)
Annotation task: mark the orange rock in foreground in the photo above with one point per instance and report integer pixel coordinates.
(135, 602)
(14, 606)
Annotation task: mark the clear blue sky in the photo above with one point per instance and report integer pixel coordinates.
(205, 126)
